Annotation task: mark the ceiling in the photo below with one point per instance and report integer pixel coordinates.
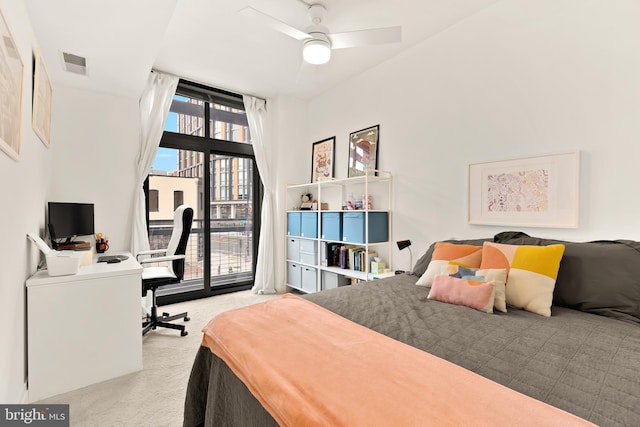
(208, 41)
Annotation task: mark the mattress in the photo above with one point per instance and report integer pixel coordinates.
(582, 363)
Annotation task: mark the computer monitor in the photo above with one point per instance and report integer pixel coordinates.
(68, 220)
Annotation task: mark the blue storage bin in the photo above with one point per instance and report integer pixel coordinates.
(309, 224)
(332, 226)
(293, 223)
(353, 227)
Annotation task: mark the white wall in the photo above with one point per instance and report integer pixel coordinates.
(96, 144)
(520, 78)
(290, 163)
(23, 186)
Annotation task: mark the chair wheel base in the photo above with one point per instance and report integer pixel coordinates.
(154, 321)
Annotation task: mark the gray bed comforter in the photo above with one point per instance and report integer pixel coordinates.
(586, 364)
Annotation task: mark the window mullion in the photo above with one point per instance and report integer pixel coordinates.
(207, 120)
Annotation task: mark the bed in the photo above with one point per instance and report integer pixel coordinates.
(582, 360)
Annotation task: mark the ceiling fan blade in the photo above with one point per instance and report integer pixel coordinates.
(366, 37)
(274, 23)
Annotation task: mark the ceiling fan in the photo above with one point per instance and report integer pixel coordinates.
(318, 41)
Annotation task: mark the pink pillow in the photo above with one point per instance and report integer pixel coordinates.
(470, 293)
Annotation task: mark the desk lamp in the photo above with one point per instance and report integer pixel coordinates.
(402, 244)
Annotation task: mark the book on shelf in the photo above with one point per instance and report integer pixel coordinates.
(347, 257)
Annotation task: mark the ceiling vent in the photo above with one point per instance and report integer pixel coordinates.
(74, 63)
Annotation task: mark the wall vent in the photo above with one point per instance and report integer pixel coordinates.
(74, 63)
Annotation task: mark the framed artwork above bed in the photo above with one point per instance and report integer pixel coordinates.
(536, 191)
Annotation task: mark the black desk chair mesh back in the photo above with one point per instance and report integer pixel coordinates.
(173, 272)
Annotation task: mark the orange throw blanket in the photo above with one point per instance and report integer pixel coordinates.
(310, 367)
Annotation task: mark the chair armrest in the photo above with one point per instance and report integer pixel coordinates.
(151, 252)
(162, 259)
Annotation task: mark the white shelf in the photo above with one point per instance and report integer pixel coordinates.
(352, 243)
(335, 192)
(361, 275)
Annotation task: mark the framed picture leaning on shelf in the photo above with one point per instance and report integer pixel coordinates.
(323, 159)
(363, 151)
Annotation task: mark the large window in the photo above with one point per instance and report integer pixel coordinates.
(206, 160)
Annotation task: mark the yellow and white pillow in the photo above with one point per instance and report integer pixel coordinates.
(531, 273)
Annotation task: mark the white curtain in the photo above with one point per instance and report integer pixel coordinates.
(265, 282)
(154, 108)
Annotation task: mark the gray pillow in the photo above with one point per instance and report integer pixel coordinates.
(421, 265)
(601, 277)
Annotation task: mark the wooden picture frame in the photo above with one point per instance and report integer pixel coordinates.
(42, 94)
(536, 191)
(10, 93)
(323, 160)
(363, 151)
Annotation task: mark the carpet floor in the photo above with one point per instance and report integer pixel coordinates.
(155, 395)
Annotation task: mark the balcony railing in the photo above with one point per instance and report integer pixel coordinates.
(231, 251)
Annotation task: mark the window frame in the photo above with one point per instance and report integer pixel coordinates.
(209, 146)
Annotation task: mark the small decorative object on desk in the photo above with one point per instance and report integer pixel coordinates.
(102, 244)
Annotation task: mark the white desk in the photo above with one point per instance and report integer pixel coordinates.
(83, 328)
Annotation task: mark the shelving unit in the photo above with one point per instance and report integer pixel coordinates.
(363, 230)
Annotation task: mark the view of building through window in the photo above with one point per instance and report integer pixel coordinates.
(217, 185)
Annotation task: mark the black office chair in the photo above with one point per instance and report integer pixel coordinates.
(173, 272)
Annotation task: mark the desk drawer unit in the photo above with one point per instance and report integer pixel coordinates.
(309, 224)
(353, 227)
(332, 226)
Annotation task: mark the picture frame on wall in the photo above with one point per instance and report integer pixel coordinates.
(323, 160)
(10, 92)
(536, 191)
(363, 151)
(42, 94)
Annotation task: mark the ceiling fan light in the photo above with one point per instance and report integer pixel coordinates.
(316, 52)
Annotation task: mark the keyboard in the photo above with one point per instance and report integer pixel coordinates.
(107, 258)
